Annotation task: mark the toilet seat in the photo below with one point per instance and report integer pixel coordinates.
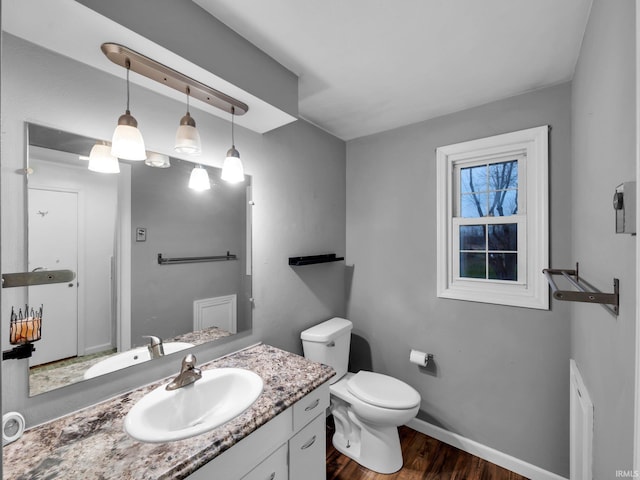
(382, 391)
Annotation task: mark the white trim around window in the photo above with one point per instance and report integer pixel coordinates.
(531, 289)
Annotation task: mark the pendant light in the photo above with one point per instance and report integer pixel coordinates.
(127, 140)
(232, 170)
(101, 160)
(187, 137)
(157, 160)
(199, 179)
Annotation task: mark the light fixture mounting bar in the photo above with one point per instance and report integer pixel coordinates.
(149, 68)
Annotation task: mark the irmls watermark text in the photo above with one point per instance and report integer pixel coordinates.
(627, 473)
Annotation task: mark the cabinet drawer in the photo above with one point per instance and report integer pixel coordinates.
(274, 467)
(307, 452)
(314, 404)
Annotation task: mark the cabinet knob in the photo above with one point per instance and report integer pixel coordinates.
(272, 476)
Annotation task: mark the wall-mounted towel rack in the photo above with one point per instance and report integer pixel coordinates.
(312, 259)
(586, 292)
(215, 258)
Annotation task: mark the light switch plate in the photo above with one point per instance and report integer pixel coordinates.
(141, 234)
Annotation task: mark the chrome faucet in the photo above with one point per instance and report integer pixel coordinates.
(189, 373)
(156, 350)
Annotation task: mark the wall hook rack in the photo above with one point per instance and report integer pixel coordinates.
(586, 292)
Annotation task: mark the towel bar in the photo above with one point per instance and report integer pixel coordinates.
(215, 258)
(586, 292)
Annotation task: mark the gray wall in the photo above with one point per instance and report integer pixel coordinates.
(502, 372)
(181, 222)
(603, 119)
(298, 179)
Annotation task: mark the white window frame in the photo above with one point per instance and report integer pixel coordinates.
(531, 289)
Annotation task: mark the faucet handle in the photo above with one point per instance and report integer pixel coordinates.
(153, 340)
(188, 362)
(156, 349)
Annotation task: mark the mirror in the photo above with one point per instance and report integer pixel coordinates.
(152, 258)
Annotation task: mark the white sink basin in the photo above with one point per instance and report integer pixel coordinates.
(220, 395)
(129, 358)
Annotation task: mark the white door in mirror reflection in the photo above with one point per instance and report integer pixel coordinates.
(53, 245)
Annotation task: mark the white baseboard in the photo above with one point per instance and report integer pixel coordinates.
(486, 453)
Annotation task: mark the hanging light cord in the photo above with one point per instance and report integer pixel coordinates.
(128, 66)
(233, 142)
(188, 93)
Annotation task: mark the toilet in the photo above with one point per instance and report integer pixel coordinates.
(367, 407)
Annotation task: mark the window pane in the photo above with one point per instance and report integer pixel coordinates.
(472, 237)
(503, 203)
(503, 236)
(473, 179)
(503, 175)
(503, 266)
(473, 265)
(473, 205)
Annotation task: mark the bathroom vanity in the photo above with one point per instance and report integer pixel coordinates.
(280, 436)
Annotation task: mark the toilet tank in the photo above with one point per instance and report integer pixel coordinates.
(328, 343)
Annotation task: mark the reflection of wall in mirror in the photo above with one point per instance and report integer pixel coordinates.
(99, 193)
(182, 223)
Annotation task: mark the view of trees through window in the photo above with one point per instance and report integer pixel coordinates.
(488, 248)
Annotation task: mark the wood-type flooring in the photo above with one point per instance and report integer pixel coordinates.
(425, 458)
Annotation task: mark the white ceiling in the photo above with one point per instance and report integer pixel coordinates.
(58, 25)
(366, 66)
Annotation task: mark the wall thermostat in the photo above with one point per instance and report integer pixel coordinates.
(624, 204)
(12, 427)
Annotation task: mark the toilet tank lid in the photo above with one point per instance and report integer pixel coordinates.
(327, 330)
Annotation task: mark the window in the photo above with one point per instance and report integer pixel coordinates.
(493, 219)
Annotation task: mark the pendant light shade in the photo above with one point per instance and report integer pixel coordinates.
(187, 136)
(101, 160)
(157, 160)
(127, 142)
(232, 170)
(199, 179)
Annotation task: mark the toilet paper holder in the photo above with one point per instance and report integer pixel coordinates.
(419, 358)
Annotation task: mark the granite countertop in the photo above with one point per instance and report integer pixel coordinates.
(91, 443)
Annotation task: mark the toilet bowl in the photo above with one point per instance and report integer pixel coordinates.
(367, 407)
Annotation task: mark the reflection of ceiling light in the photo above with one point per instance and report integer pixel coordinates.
(232, 170)
(199, 179)
(127, 140)
(101, 160)
(157, 160)
(187, 137)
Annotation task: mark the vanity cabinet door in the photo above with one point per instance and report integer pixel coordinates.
(274, 467)
(307, 452)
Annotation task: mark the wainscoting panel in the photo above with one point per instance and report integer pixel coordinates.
(218, 312)
(581, 413)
